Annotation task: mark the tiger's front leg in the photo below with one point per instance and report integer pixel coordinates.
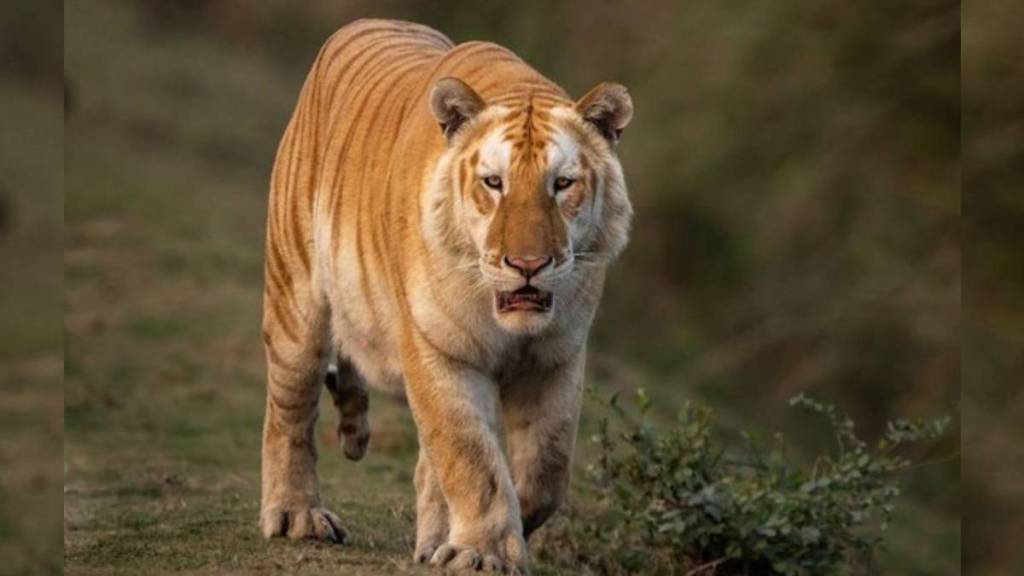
(541, 414)
(290, 502)
(454, 408)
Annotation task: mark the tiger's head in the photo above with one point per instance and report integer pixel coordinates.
(529, 192)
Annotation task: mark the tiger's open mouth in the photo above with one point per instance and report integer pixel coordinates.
(525, 299)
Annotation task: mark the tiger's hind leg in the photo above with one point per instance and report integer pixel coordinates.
(349, 391)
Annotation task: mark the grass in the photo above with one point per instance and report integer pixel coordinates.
(167, 166)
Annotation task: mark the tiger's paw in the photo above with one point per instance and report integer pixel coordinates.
(316, 523)
(508, 557)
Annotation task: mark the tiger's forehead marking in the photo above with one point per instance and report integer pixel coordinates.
(531, 128)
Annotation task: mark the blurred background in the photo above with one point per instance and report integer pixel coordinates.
(993, 309)
(796, 173)
(31, 238)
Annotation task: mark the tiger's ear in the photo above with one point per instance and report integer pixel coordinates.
(608, 108)
(454, 103)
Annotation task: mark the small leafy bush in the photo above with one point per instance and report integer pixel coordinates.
(674, 502)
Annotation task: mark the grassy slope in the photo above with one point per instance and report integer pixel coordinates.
(31, 420)
(164, 213)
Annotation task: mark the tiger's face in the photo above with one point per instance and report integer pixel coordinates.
(535, 192)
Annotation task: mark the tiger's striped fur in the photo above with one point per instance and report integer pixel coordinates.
(391, 251)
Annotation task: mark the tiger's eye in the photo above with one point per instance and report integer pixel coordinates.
(493, 182)
(561, 183)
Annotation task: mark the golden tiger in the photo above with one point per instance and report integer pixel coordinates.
(441, 219)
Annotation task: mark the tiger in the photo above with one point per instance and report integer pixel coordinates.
(441, 219)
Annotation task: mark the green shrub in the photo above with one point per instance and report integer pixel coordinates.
(676, 502)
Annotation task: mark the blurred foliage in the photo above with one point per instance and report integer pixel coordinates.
(676, 501)
(30, 41)
(993, 328)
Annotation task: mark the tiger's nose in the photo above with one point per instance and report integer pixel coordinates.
(528, 266)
